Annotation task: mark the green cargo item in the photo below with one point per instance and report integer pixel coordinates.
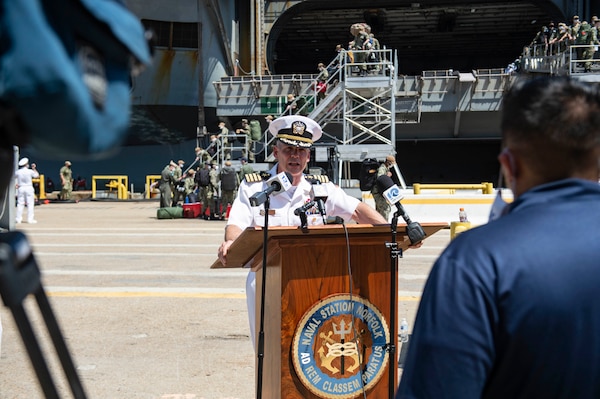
(255, 130)
(172, 212)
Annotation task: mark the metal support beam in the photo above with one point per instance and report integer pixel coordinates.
(213, 6)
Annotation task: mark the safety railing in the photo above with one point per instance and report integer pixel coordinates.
(118, 182)
(151, 181)
(41, 181)
(568, 60)
(486, 188)
(581, 59)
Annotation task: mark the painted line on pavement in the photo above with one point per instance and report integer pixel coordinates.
(449, 201)
(215, 273)
(143, 254)
(129, 292)
(413, 276)
(406, 298)
(132, 234)
(175, 254)
(426, 246)
(70, 245)
(75, 294)
(414, 255)
(411, 255)
(195, 293)
(156, 254)
(159, 230)
(241, 272)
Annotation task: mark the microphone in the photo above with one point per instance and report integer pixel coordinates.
(391, 193)
(319, 193)
(277, 184)
(302, 210)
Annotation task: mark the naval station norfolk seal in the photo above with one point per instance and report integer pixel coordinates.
(339, 347)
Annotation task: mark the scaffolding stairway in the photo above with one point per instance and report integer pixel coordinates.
(360, 115)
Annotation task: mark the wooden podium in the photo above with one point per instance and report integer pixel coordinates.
(312, 348)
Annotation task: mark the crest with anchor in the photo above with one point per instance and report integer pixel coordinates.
(339, 347)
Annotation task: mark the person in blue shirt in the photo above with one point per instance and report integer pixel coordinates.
(511, 309)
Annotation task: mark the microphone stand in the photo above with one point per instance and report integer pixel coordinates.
(321, 207)
(261, 331)
(395, 253)
(303, 222)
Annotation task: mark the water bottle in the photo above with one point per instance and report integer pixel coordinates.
(404, 330)
(462, 215)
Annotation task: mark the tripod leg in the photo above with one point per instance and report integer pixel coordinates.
(59, 344)
(34, 352)
(20, 277)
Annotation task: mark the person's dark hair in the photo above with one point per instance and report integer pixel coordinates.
(554, 121)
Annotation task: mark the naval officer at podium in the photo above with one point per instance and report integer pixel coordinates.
(294, 135)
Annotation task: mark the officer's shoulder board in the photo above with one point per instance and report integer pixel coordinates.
(321, 178)
(255, 177)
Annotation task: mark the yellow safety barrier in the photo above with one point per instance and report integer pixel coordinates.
(117, 181)
(150, 180)
(486, 188)
(42, 182)
(458, 227)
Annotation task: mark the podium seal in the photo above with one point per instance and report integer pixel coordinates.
(339, 347)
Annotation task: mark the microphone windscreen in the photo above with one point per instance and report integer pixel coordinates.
(289, 176)
(384, 182)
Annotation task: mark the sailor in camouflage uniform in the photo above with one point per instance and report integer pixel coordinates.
(360, 41)
(206, 191)
(381, 204)
(229, 184)
(66, 179)
(165, 185)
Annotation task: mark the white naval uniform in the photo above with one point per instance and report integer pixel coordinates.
(25, 193)
(281, 213)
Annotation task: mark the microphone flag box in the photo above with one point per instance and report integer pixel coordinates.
(319, 191)
(393, 195)
(284, 180)
(192, 210)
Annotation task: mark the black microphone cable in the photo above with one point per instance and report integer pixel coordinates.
(356, 338)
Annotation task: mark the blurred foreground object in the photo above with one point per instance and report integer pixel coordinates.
(65, 74)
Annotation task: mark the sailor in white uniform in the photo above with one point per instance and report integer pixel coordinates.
(25, 193)
(295, 135)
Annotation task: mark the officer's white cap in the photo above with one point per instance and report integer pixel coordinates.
(296, 130)
(23, 161)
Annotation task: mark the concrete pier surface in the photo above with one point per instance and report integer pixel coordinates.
(141, 311)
